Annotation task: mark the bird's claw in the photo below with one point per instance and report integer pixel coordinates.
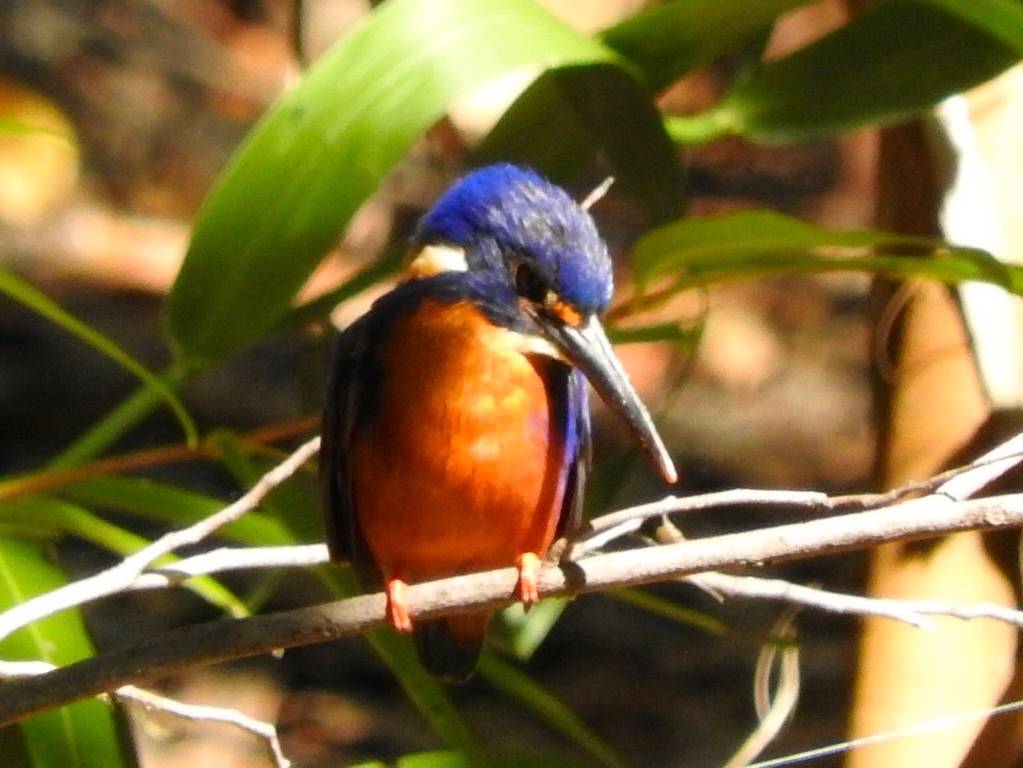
(528, 588)
(397, 610)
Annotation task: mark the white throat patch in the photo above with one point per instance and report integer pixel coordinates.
(434, 259)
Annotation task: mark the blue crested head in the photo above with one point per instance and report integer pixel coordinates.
(531, 260)
(526, 233)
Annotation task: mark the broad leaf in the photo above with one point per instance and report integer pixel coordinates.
(323, 148)
(708, 250)
(1002, 19)
(670, 39)
(569, 114)
(894, 60)
(82, 735)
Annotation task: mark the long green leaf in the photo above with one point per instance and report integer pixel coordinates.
(569, 114)
(39, 302)
(517, 685)
(177, 506)
(894, 60)
(323, 148)
(83, 735)
(668, 40)
(1002, 19)
(751, 243)
(669, 609)
(116, 423)
(682, 335)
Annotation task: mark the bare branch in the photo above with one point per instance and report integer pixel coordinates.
(265, 732)
(908, 611)
(229, 639)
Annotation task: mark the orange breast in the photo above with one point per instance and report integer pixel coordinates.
(462, 465)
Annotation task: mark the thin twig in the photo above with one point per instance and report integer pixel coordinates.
(121, 576)
(232, 559)
(264, 731)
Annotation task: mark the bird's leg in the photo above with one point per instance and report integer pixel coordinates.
(528, 588)
(397, 610)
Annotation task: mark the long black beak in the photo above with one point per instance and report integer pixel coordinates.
(589, 349)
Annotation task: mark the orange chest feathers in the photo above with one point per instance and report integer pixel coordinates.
(461, 466)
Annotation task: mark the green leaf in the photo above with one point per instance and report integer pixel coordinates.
(323, 148)
(670, 39)
(752, 243)
(668, 609)
(39, 302)
(176, 506)
(43, 515)
(682, 335)
(515, 684)
(569, 114)
(896, 59)
(83, 735)
(1002, 19)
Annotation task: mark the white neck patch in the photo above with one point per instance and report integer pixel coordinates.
(434, 259)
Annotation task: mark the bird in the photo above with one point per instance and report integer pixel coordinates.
(456, 426)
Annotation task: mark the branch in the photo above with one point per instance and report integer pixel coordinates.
(236, 638)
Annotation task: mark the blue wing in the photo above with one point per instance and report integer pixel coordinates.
(578, 453)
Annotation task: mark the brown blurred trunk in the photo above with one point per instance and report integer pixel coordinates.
(930, 412)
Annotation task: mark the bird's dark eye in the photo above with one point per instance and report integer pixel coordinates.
(528, 284)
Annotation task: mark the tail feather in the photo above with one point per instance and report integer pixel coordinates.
(450, 648)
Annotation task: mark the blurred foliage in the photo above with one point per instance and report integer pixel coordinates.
(321, 151)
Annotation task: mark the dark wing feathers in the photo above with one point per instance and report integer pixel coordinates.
(346, 400)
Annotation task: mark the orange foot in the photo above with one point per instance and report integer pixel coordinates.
(528, 588)
(397, 610)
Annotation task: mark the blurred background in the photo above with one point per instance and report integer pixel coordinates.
(145, 100)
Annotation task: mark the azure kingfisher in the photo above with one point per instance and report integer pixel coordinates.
(456, 434)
